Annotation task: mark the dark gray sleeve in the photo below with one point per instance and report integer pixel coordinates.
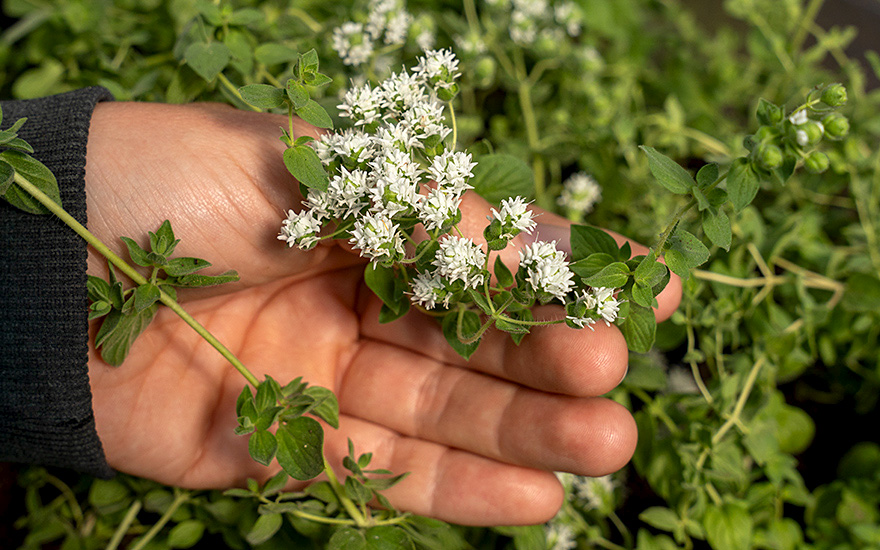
(46, 413)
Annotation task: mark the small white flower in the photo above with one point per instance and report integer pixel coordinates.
(560, 536)
(397, 137)
(471, 44)
(351, 144)
(439, 208)
(377, 237)
(596, 493)
(798, 117)
(300, 229)
(460, 259)
(437, 64)
(347, 192)
(363, 104)
(426, 120)
(515, 217)
(425, 40)
(546, 268)
(566, 14)
(401, 92)
(607, 305)
(802, 138)
(398, 27)
(452, 170)
(580, 193)
(353, 45)
(429, 290)
(378, 16)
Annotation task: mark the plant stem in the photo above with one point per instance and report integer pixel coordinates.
(179, 498)
(123, 266)
(234, 91)
(126, 522)
(360, 519)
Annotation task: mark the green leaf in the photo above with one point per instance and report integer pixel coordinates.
(263, 96)
(388, 537)
(109, 495)
(716, 226)
(707, 175)
(264, 528)
(177, 267)
(702, 200)
(19, 144)
(297, 94)
(162, 242)
(356, 491)
(326, 405)
(742, 183)
(667, 172)
(138, 255)
(35, 172)
(728, 527)
(347, 538)
(314, 114)
(587, 240)
(303, 163)
(275, 54)
(262, 446)
(309, 60)
(246, 16)
(510, 327)
(11, 133)
(194, 280)
(639, 328)
(502, 274)
(649, 271)
(186, 534)
(145, 296)
(684, 253)
(642, 294)
(470, 324)
(119, 331)
(613, 275)
(381, 280)
(591, 265)
(861, 293)
(662, 518)
(500, 176)
(300, 448)
(207, 60)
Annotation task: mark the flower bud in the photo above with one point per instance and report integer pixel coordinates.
(769, 156)
(768, 113)
(834, 95)
(807, 134)
(816, 162)
(836, 126)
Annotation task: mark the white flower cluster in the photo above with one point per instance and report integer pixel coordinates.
(580, 193)
(800, 118)
(546, 269)
(594, 304)
(387, 23)
(392, 171)
(533, 20)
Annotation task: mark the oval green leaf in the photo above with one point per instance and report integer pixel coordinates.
(300, 448)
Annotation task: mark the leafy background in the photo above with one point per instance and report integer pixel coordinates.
(778, 449)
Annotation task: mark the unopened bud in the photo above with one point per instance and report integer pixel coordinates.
(816, 162)
(768, 113)
(836, 126)
(834, 95)
(769, 156)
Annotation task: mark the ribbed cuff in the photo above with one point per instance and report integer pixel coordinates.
(46, 413)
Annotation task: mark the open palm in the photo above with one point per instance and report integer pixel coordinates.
(481, 438)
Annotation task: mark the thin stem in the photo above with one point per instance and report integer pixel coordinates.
(123, 266)
(126, 522)
(454, 124)
(234, 91)
(68, 496)
(618, 523)
(179, 499)
(309, 21)
(529, 323)
(359, 518)
(805, 24)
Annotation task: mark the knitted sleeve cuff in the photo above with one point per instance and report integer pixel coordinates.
(45, 401)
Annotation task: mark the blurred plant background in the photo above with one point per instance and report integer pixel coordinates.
(757, 409)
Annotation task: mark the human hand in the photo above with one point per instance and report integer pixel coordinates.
(481, 438)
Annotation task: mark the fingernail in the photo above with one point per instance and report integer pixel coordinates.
(548, 232)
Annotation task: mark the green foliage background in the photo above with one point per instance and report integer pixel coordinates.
(773, 445)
